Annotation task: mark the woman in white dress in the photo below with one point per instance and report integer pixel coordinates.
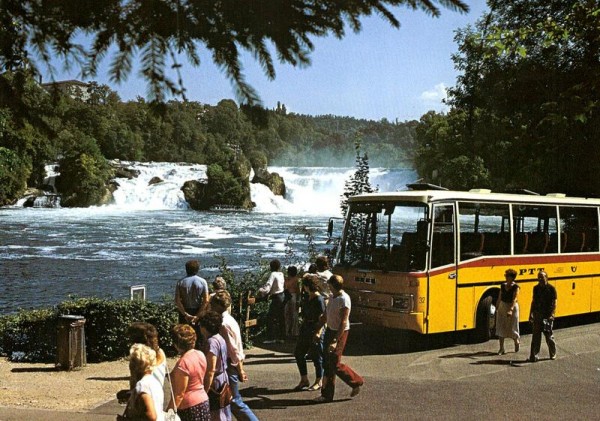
(507, 311)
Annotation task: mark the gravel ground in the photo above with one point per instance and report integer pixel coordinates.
(42, 386)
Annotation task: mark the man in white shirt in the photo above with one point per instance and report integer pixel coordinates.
(337, 318)
(273, 288)
(230, 331)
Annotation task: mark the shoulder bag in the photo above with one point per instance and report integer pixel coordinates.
(171, 414)
(220, 399)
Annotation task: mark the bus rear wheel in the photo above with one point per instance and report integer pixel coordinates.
(485, 321)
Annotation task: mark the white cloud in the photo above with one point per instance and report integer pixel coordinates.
(435, 96)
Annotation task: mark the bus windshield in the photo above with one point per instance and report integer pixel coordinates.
(385, 236)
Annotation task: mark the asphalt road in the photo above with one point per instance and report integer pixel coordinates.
(440, 377)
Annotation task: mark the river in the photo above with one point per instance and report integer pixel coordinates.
(147, 235)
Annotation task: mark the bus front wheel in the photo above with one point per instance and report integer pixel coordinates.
(485, 322)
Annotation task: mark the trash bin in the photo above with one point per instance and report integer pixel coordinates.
(70, 346)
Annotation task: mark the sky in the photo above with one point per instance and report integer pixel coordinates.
(380, 72)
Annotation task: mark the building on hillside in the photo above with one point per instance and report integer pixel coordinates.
(74, 88)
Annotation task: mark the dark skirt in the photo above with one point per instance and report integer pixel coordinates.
(200, 412)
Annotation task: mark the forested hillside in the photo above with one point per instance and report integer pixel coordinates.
(84, 127)
(525, 110)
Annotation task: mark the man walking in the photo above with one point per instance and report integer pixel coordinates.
(337, 317)
(230, 331)
(541, 316)
(191, 297)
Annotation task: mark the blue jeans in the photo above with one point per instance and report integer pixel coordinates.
(307, 347)
(240, 410)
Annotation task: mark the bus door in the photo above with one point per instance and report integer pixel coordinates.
(441, 309)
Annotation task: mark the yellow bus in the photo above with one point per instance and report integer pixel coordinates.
(432, 260)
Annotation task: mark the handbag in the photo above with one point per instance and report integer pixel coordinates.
(220, 399)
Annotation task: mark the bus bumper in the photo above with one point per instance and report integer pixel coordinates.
(387, 318)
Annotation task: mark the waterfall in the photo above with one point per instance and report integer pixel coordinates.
(139, 193)
(309, 190)
(318, 190)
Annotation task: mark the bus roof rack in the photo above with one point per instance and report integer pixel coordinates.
(425, 186)
(521, 191)
(556, 195)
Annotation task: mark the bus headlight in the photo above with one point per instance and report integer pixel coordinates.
(404, 302)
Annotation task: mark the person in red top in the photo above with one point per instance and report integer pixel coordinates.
(187, 377)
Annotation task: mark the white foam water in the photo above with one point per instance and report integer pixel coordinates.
(146, 237)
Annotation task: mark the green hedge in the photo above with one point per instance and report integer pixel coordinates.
(31, 335)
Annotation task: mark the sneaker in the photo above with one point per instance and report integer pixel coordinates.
(269, 341)
(301, 386)
(553, 357)
(355, 391)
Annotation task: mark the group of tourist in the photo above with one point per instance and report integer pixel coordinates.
(325, 312)
(541, 315)
(204, 380)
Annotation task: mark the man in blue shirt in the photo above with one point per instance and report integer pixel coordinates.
(191, 297)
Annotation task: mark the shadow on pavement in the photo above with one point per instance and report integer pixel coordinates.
(271, 355)
(34, 370)
(258, 398)
(282, 359)
(110, 379)
(470, 354)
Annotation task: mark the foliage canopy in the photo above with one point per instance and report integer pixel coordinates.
(159, 32)
(525, 109)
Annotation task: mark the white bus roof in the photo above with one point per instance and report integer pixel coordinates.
(429, 196)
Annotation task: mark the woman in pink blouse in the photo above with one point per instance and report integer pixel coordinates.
(187, 377)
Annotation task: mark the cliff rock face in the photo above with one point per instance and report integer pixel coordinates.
(272, 180)
(195, 194)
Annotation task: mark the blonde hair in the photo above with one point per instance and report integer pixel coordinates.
(142, 359)
(219, 284)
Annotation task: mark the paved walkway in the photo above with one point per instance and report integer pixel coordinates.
(434, 379)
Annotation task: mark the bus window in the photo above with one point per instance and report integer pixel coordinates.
(442, 245)
(385, 236)
(535, 229)
(579, 229)
(483, 229)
